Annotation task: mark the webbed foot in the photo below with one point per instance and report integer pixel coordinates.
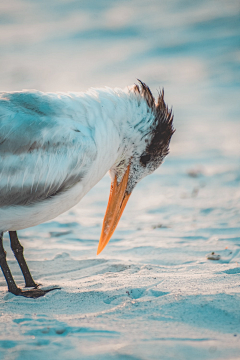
(36, 292)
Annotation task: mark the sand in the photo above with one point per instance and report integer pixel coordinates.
(152, 293)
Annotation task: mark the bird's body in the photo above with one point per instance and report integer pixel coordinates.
(54, 147)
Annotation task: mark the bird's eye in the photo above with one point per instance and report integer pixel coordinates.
(145, 159)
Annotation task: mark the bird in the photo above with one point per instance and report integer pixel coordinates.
(54, 147)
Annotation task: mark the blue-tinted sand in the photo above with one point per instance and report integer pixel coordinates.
(152, 293)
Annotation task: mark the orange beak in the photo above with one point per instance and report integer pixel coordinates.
(118, 199)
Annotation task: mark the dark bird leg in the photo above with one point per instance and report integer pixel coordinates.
(17, 249)
(12, 287)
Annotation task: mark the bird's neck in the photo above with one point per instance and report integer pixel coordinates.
(118, 118)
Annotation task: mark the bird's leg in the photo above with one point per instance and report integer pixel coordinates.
(17, 249)
(12, 287)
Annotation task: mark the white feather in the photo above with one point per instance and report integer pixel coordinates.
(49, 140)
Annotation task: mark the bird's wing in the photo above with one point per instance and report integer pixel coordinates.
(43, 149)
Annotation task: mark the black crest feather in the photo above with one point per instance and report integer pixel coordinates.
(162, 130)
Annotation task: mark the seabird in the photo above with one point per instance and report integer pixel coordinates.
(54, 147)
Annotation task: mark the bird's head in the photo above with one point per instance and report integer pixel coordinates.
(145, 146)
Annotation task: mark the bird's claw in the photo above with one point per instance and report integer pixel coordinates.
(36, 292)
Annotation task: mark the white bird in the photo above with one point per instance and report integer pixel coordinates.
(54, 147)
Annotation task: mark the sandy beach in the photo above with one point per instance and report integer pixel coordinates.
(152, 293)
